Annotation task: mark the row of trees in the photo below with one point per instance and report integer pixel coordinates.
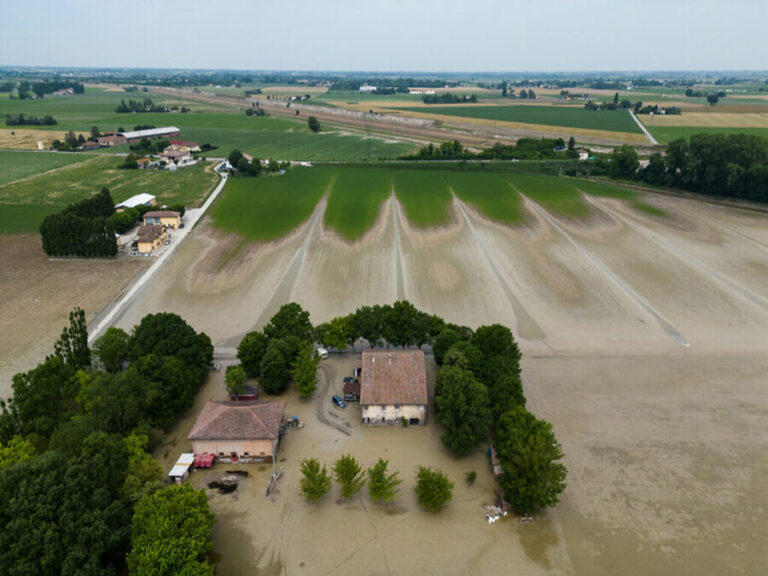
(21, 120)
(433, 488)
(71, 142)
(448, 98)
(145, 105)
(524, 149)
(78, 487)
(81, 229)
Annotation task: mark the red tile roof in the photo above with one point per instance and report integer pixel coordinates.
(161, 214)
(393, 377)
(239, 421)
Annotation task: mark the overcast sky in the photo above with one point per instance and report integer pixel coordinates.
(428, 35)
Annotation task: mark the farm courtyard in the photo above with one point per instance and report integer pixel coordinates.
(642, 321)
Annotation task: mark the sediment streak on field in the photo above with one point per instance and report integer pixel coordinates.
(398, 254)
(526, 326)
(686, 258)
(283, 291)
(615, 279)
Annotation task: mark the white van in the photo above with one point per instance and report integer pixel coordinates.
(323, 353)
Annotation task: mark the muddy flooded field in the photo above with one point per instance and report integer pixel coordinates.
(644, 342)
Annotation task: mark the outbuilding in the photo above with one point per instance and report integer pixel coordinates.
(150, 133)
(136, 201)
(180, 470)
(393, 387)
(239, 431)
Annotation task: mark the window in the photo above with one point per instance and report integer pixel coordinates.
(397, 407)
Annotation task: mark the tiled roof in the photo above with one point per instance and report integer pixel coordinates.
(149, 233)
(161, 214)
(239, 421)
(393, 377)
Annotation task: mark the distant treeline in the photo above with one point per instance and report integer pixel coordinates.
(49, 87)
(21, 120)
(448, 98)
(81, 229)
(145, 105)
(525, 149)
(729, 165)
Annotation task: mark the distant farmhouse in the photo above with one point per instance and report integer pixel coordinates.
(367, 88)
(239, 430)
(393, 387)
(111, 139)
(136, 201)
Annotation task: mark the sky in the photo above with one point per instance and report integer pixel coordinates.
(387, 35)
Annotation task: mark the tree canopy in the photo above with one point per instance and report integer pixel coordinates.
(171, 533)
(316, 481)
(530, 456)
(433, 489)
(461, 404)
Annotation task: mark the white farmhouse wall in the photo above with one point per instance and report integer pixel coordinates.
(389, 414)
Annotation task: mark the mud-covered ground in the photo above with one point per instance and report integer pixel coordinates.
(644, 342)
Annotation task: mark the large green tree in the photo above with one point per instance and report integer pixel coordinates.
(530, 456)
(251, 350)
(461, 404)
(72, 345)
(316, 481)
(171, 533)
(112, 349)
(433, 489)
(290, 320)
(235, 377)
(275, 374)
(304, 371)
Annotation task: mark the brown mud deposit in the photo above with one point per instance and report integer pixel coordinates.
(665, 443)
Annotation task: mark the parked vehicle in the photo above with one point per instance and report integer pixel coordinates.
(323, 353)
(339, 401)
(350, 380)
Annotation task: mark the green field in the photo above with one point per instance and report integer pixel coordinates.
(424, 196)
(554, 194)
(567, 117)
(15, 165)
(355, 200)
(609, 190)
(25, 202)
(268, 208)
(665, 134)
(490, 194)
(262, 137)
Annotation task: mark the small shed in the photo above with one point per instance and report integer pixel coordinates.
(180, 470)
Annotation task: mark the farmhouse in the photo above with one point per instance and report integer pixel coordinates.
(393, 387)
(583, 155)
(136, 201)
(167, 218)
(239, 430)
(367, 88)
(151, 238)
(112, 139)
(179, 156)
(150, 133)
(192, 147)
